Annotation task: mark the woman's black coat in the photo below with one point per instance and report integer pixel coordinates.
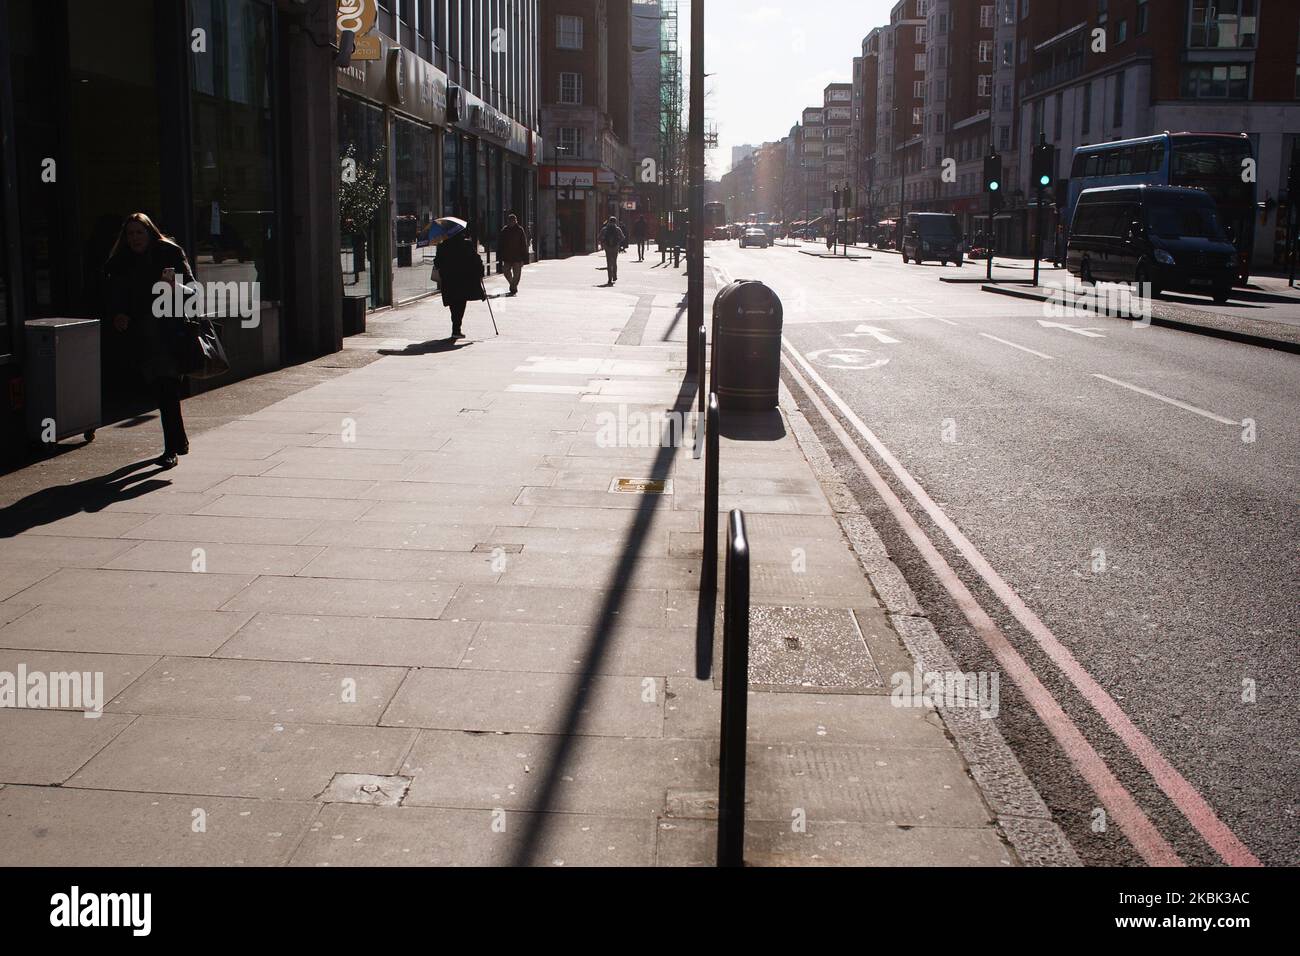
(157, 343)
(460, 271)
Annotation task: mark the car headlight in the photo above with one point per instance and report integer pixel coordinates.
(1164, 258)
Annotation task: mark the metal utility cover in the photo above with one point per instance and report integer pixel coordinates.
(642, 486)
(373, 789)
(793, 648)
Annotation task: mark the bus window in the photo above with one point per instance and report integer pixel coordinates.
(1142, 159)
(1094, 164)
(1077, 168)
(1123, 161)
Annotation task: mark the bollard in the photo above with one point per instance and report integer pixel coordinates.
(701, 351)
(709, 575)
(735, 699)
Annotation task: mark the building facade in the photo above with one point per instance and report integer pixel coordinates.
(586, 62)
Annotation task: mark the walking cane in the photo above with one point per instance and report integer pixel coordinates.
(490, 312)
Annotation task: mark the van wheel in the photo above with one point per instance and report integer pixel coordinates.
(905, 258)
(1143, 275)
(1220, 296)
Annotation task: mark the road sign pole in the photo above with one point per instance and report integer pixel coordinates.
(989, 250)
(1038, 232)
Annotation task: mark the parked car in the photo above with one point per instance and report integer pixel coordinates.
(754, 237)
(932, 235)
(1168, 236)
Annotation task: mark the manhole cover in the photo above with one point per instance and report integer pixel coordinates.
(642, 486)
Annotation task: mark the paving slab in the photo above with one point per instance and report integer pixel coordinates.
(391, 564)
(310, 693)
(61, 826)
(481, 701)
(225, 529)
(582, 606)
(213, 556)
(118, 671)
(347, 835)
(630, 651)
(390, 642)
(236, 758)
(347, 598)
(121, 630)
(412, 535)
(606, 776)
(154, 589)
(46, 747)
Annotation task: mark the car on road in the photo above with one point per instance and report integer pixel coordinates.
(932, 235)
(754, 237)
(1167, 236)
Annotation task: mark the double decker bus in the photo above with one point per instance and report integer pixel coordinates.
(715, 221)
(1214, 162)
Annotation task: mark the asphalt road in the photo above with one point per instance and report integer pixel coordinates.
(1136, 487)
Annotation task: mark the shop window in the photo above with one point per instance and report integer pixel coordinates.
(363, 199)
(236, 228)
(415, 197)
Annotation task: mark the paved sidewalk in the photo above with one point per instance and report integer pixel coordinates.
(400, 617)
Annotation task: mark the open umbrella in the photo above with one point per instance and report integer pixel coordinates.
(444, 228)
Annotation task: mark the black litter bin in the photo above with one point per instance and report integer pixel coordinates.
(747, 319)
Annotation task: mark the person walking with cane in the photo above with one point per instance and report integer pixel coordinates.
(460, 276)
(613, 240)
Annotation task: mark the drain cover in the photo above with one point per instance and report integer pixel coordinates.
(376, 790)
(642, 486)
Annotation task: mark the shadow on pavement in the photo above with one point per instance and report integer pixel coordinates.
(431, 347)
(93, 494)
(579, 697)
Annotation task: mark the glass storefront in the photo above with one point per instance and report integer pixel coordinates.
(363, 200)
(232, 158)
(415, 204)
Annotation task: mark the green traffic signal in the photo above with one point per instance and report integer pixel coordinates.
(993, 186)
(1044, 180)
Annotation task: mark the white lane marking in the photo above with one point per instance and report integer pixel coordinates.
(1182, 794)
(1015, 346)
(1166, 399)
(878, 334)
(1089, 333)
(858, 360)
(949, 321)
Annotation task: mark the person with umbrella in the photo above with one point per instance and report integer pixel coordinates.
(459, 268)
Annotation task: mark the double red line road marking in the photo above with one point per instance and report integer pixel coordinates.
(1118, 802)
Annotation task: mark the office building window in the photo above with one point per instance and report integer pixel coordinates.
(918, 89)
(1085, 118)
(571, 88)
(568, 32)
(920, 36)
(1205, 81)
(983, 85)
(1118, 119)
(1221, 23)
(1004, 137)
(1142, 20)
(1121, 31)
(918, 113)
(918, 62)
(570, 140)
(986, 15)
(986, 51)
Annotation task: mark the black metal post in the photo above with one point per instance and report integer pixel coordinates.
(1038, 230)
(709, 577)
(735, 697)
(701, 345)
(989, 249)
(1290, 236)
(695, 254)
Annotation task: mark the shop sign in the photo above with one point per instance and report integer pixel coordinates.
(572, 179)
(485, 120)
(360, 16)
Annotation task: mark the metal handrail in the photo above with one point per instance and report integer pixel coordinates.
(735, 697)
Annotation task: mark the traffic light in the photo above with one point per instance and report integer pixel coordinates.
(1044, 165)
(992, 173)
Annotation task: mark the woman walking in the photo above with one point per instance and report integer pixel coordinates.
(141, 258)
(460, 277)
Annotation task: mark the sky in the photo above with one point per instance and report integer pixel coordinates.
(768, 59)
